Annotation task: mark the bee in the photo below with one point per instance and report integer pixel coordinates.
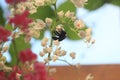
(59, 34)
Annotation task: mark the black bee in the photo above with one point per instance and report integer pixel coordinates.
(59, 35)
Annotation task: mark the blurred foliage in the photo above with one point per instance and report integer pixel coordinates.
(17, 45)
(116, 2)
(67, 6)
(9, 27)
(43, 12)
(2, 20)
(41, 34)
(95, 4)
(71, 34)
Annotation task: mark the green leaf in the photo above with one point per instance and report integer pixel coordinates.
(9, 27)
(43, 12)
(94, 4)
(2, 20)
(115, 2)
(71, 33)
(41, 34)
(16, 46)
(67, 6)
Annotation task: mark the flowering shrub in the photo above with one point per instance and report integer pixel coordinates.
(28, 20)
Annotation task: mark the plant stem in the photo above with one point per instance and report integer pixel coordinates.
(55, 11)
(51, 31)
(65, 61)
(50, 46)
(16, 51)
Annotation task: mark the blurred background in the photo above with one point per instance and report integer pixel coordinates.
(101, 59)
(103, 16)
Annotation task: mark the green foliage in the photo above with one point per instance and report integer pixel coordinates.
(2, 20)
(41, 34)
(67, 6)
(43, 12)
(16, 46)
(94, 4)
(115, 2)
(9, 27)
(70, 29)
(71, 34)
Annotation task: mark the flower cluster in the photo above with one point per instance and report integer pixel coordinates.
(21, 28)
(26, 58)
(55, 52)
(4, 34)
(21, 20)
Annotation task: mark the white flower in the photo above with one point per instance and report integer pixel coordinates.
(54, 58)
(44, 41)
(78, 65)
(18, 75)
(20, 8)
(73, 18)
(44, 44)
(93, 41)
(39, 24)
(56, 42)
(48, 21)
(34, 33)
(46, 60)
(59, 27)
(82, 34)
(49, 49)
(79, 24)
(63, 53)
(57, 51)
(88, 38)
(72, 55)
(41, 54)
(69, 14)
(52, 70)
(89, 77)
(88, 31)
(39, 2)
(7, 69)
(60, 14)
(45, 50)
(32, 11)
(79, 3)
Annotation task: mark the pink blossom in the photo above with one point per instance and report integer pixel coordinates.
(27, 55)
(12, 75)
(39, 72)
(21, 20)
(14, 1)
(2, 75)
(4, 34)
